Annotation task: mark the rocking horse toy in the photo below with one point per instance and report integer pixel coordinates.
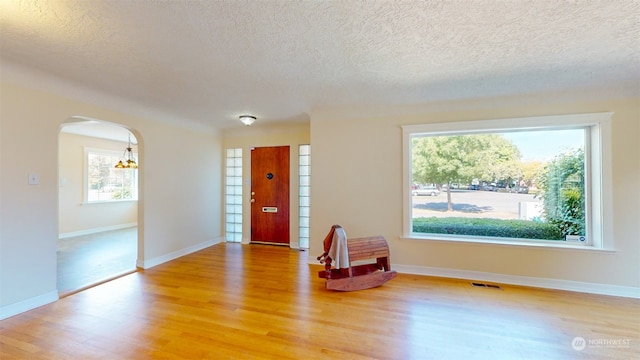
(342, 253)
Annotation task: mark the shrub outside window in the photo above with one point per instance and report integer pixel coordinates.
(536, 180)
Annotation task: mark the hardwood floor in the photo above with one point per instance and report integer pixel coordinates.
(233, 301)
(86, 260)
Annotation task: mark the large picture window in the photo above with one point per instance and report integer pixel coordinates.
(527, 180)
(106, 183)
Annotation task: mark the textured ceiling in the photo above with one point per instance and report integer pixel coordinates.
(207, 62)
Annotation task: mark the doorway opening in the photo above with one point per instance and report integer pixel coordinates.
(97, 205)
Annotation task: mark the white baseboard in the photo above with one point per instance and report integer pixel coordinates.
(146, 264)
(26, 305)
(32, 303)
(557, 284)
(97, 230)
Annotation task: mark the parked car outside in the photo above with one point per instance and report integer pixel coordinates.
(425, 190)
(490, 187)
(521, 189)
(453, 186)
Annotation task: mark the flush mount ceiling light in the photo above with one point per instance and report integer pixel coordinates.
(128, 154)
(247, 119)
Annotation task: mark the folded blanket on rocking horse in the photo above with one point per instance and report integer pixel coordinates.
(341, 253)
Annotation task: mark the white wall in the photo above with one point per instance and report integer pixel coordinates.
(269, 135)
(180, 190)
(74, 215)
(357, 182)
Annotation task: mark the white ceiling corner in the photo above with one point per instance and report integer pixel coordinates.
(100, 130)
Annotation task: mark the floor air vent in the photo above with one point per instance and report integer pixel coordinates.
(483, 285)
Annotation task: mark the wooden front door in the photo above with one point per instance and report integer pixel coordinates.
(270, 195)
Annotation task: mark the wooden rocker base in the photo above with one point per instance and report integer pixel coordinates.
(359, 282)
(373, 249)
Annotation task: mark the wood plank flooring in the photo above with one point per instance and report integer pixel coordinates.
(233, 301)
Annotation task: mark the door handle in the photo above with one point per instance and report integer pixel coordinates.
(253, 200)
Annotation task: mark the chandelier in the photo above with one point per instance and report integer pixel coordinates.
(130, 160)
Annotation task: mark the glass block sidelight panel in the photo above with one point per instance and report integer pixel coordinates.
(304, 212)
(233, 195)
(304, 199)
(304, 180)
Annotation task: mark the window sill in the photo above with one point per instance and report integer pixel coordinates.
(509, 243)
(108, 202)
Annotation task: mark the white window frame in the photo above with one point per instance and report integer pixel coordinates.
(118, 154)
(598, 173)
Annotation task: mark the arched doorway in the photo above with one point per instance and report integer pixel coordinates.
(97, 204)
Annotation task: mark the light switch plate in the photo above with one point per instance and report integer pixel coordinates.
(34, 179)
